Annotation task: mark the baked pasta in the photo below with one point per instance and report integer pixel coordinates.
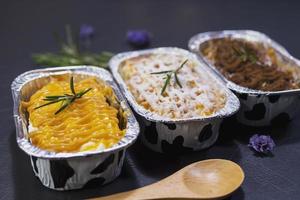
(89, 123)
(251, 64)
(191, 92)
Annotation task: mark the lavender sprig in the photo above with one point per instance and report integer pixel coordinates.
(261, 143)
(86, 35)
(138, 38)
(86, 32)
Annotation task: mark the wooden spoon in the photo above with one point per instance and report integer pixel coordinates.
(208, 179)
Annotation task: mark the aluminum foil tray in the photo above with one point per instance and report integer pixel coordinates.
(176, 135)
(258, 108)
(65, 171)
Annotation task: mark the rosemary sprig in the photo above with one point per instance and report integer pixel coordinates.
(71, 54)
(168, 76)
(61, 59)
(66, 99)
(245, 54)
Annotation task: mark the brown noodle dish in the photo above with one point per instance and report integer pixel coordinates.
(251, 64)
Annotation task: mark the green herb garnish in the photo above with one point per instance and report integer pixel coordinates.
(245, 54)
(168, 76)
(66, 99)
(70, 53)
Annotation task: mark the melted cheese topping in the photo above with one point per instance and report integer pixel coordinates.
(199, 95)
(89, 123)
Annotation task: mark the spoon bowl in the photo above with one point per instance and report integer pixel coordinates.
(208, 179)
(213, 178)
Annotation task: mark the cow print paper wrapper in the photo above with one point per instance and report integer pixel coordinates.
(258, 108)
(178, 135)
(67, 171)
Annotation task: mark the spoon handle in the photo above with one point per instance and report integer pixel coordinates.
(148, 192)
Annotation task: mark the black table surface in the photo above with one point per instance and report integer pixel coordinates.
(27, 26)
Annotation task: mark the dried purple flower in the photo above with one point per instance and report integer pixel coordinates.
(138, 38)
(261, 143)
(86, 32)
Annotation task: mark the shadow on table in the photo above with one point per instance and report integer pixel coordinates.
(280, 132)
(237, 195)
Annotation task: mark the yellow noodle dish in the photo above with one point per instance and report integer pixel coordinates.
(69, 115)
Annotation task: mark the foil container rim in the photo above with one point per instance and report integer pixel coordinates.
(232, 103)
(132, 127)
(196, 40)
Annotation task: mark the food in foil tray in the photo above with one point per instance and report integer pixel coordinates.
(179, 101)
(69, 115)
(172, 85)
(251, 64)
(72, 121)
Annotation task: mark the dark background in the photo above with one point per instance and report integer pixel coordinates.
(27, 27)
